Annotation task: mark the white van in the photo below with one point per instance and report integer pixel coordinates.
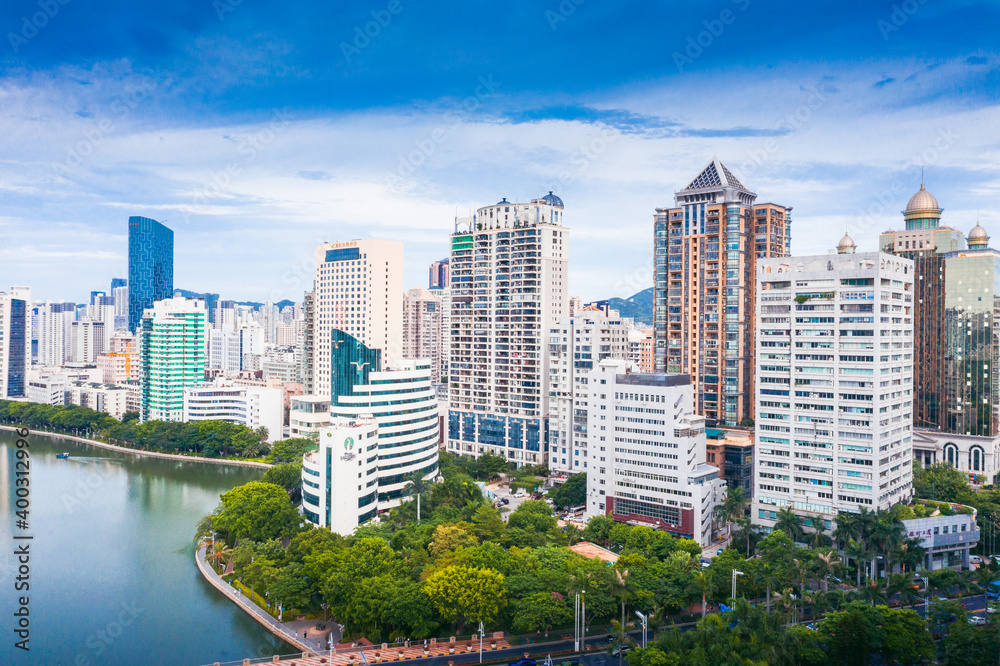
(975, 559)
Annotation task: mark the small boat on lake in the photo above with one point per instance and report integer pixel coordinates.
(62, 455)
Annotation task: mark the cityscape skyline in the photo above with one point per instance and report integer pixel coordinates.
(842, 138)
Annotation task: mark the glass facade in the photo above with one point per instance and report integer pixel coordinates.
(351, 363)
(17, 349)
(150, 266)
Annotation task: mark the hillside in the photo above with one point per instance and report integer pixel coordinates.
(638, 306)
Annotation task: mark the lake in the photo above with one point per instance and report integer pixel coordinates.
(113, 577)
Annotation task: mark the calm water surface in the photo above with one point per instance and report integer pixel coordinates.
(113, 578)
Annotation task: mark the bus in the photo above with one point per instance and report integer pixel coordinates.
(993, 590)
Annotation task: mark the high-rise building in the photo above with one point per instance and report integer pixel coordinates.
(150, 266)
(422, 331)
(55, 332)
(171, 356)
(399, 414)
(14, 347)
(648, 452)
(438, 278)
(88, 340)
(575, 346)
(706, 252)
(223, 351)
(510, 284)
(120, 296)
(834, 385)
(357, 289)
(640, 348)
(308, 342)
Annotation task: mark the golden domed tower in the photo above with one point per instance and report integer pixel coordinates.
(978, 239)
(846, 245)
(922, 211)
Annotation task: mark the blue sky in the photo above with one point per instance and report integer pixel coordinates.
(257, 129)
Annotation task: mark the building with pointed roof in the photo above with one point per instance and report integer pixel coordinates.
(706, 250)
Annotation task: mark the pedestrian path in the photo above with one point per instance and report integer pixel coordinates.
(252, 609)
(377, 654)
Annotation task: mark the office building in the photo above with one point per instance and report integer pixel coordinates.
(393, 407)
(947, 537)
(706, 251)
(307, 414)
(423, 336)
(356, 291)
(47, 388)
(834, 385)
(640, 349)
(150, 266)
(575, 347)
(648, 464)
(14, 346)
(438, 278)
(109, 398)
(509, 284)
(223, 351)
(223, 400)
(171, 356)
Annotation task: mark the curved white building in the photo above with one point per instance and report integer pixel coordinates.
(400, 401)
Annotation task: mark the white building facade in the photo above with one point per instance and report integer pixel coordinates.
(252, 406)
(648, 452)
(357, 288)
(423, 336)
(575, 347)
(509, 277)
(834, 385)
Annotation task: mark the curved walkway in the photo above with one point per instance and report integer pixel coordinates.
(252, 609)
(138, 452)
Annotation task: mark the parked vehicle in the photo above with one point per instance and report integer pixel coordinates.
(522, 662)
(978, 620)
(975, 559)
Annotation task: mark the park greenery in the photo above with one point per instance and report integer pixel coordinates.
(211, 439)
(462, 563)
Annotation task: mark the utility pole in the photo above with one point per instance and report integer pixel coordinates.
(735, 574)
(583, 620)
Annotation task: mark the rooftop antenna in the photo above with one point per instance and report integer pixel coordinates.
(921, 176)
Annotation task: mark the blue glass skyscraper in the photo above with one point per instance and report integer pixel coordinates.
(150, 266)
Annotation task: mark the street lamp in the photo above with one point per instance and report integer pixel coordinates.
(927, 597)
(480, 641)
(644, 620)
(735, 574)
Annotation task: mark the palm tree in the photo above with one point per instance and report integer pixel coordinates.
(826, 564)
(700, 584)
(873, 591)
(733, 507)
(857, 551)
(790, 523)
(902, 585)
(847, 529)
(765, 576)
(786, 600)
(220, 553)
(417, 485)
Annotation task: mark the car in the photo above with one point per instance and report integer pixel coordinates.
(975, 559)
(977, 620)
(942, 598)
(719, 552)
(705, 564)
(504, 500)
(522, 662)
(991, 610)
(621, 648)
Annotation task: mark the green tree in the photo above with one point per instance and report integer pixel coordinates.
(290, 587)
(540, 612)
(463, 594)
(941, 482)
(258, 511)
(573, 492)
(288, 476)
(290, 450)
(487, 524)
(448, 539)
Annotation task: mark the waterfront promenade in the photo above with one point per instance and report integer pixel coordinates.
(140, 452)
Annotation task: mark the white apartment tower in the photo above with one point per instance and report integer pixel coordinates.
(509, 285)
(356, 290)
(422, 333)
(575, 347)
(648, 452)
(834, 385)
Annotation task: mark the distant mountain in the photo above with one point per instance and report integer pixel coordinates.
(638, 306)
(194, 294)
